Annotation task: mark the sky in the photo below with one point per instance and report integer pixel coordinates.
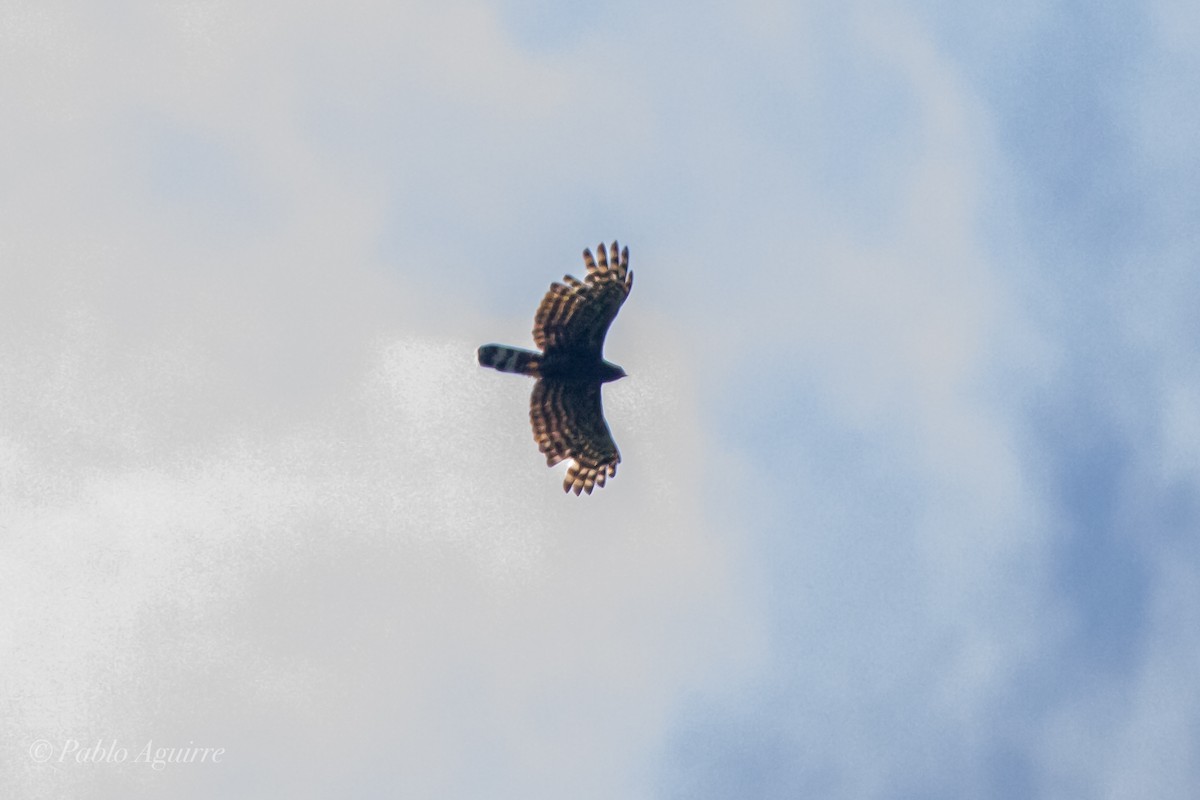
(910, 489)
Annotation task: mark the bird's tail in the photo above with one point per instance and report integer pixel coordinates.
(510, 359)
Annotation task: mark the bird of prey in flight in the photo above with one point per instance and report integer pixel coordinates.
(569, 328)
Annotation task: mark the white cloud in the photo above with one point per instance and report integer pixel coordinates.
(396, 590)
(256, 494)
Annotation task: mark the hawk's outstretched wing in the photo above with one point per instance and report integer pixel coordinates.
(575, 315)
(568, 422)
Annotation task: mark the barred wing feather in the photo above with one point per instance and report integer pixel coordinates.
(568, 423)
(575, 315)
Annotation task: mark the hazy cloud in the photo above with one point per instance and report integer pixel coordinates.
(909, 481)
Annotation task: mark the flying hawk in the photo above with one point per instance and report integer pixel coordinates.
(569, 328)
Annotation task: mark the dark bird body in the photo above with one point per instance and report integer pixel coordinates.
(563, 366)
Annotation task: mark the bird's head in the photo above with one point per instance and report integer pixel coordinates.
(612, 372)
